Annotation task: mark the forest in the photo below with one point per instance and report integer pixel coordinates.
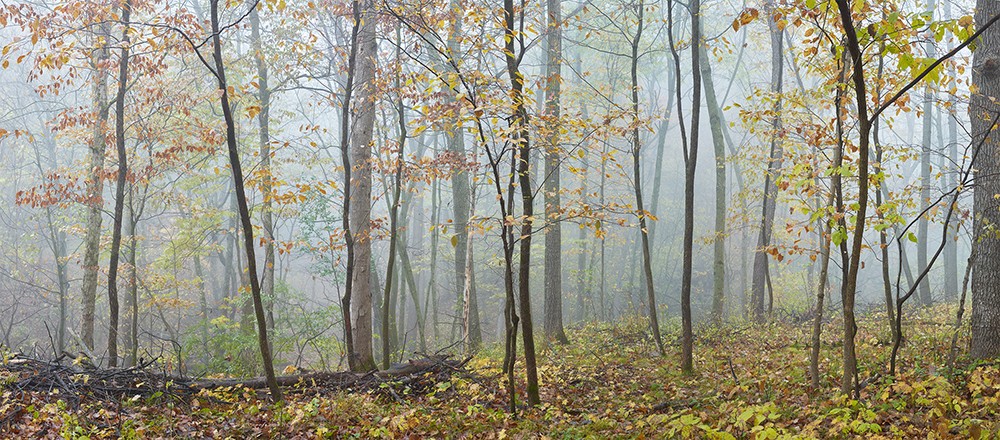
(723, 219)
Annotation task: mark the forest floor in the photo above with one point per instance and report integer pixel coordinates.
(750, 382)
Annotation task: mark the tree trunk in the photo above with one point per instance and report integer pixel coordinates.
(241, 199)
(647, 265)
(553, 310)
(982, 112)
(95, 187)
(850, 380)
(460, 177)
(925, 167)
(390, 274)
(690, 167)
(951, 247)
(116, 236)
(718, 141)
(760, 258)
(266, 209)
(363, 110)
(519, 126)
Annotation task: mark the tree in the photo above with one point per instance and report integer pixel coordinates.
(760, 258)
(925, 165)
(982, 112)
(241, 200)
(95, 186)
(515, 49)
(553, 310)
(690, 168)
(718, 141)
(116, 237)
(636, 150)
(363, 111)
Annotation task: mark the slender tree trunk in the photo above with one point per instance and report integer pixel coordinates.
(982, 112)
(244, 211)
(951, 248)
(132, 299)
(471, 335)
(267, 176)
(760, 259)
(116, 236)
(519, 125)
(647, 265)
(849, 383)
(719, 142)
(883, 235)
(925, 166)
(690, 167)
(390, 273)
(460, 177)
(552, 309)
(834, 198)
(95, 187)
(432, 293)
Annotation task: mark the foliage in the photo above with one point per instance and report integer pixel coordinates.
(609, 384)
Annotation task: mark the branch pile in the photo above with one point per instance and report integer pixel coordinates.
(73, 380)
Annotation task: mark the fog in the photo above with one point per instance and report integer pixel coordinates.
(182, 280)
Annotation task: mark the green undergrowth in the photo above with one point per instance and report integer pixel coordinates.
(750, 383)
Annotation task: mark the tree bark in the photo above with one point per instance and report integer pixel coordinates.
(519, 126)
(116, 235)
(849, 383)
(241, 199)
(264, 136)
(760, 258)
(925, 166)
(95, 187)
(719, 142)
(982, 113)
(460, 177)
(363, 111)
(553, 306)
(690, 168)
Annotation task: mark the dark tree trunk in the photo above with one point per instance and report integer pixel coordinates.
(241, 200)
(266, 210)
(758, 300)
(116, 235)
(690, 167)
(982, 112)
(519, 126)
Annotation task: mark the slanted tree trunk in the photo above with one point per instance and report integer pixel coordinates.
(95, 187)
(116, 235)
(982, 112)
(760, 258)
(241, 199)
(553, 306)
